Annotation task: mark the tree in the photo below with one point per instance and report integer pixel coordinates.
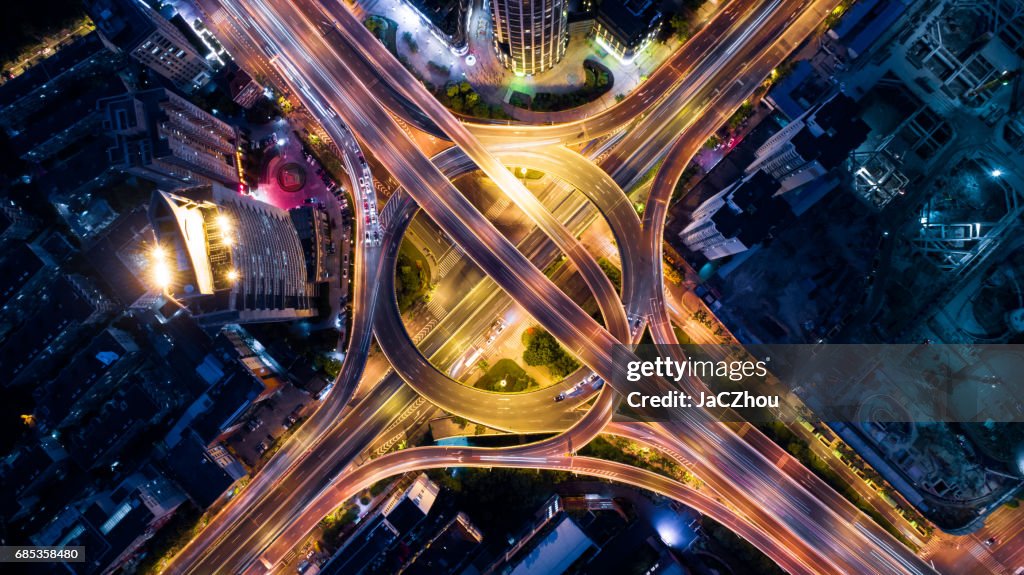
(543, 349)
(680, 25)
(374, 26)
(613, 273)
(414, 47)
(540, 347)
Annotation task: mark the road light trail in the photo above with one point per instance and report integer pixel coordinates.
(781, 551)
(511, 275)
(397, 76)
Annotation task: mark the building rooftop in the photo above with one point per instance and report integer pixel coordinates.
(18, 266)
(46, 70)
(629, 20)
(59, 307)
(114, 255)
(123, 22)
(413, 505)
(56, 398)
(229, 400)
(865, 22)
(56, 120)
(754, 210)
(553, 554)
(832, 132)
(117, 422)
(449, 550)
(196, 472)
(230, 258)
(791, 95)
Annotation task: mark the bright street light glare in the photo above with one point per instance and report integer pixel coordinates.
(161, 274)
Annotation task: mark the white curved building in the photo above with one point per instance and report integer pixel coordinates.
(229, 258)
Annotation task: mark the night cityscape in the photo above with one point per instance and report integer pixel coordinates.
(512, 287)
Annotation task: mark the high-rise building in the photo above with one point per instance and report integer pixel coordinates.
(132, 27)
(737, 218)
(162, 137)
(229, 258)
(530, 36)
(812, 145)
(626, 27)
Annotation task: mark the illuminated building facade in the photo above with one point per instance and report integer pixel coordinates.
(229, 258)
(530, 36)
(162, 137)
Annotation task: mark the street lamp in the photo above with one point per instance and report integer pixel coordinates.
(997, 173)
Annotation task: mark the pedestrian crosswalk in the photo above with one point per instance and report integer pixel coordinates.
(496, 208)
(984, 556)
(389, 211)
(448, 261)
(436, 309)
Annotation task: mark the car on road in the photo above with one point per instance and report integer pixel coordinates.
(560, 397)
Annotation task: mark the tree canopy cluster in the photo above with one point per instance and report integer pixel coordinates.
(543, 349)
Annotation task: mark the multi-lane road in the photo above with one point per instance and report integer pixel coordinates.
(799, 523)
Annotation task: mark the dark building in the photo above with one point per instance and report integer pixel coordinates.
(448, 18)
(113, 525)
(625, 27)
(116, 424)
(368, 547)
(192, 467)
(19, 264)
(113, 254)
(103, 363)
(403, 513)
(132, 27)
(311, 225)
(737, 218)
(814, 144)
(243, 89)
(162, 137)
(49, 114)
(449, 551)
(61, 306)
